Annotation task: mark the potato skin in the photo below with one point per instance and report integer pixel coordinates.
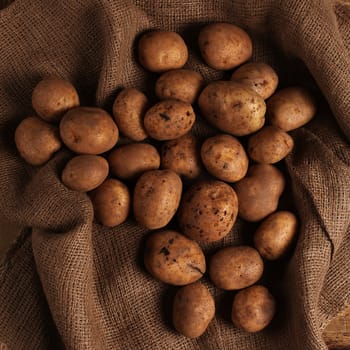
(275, 234)
(253, 308)
(52, 97)
(208, 211)
(88, 130)
(130, 161)
(129, 109)
(224, 157)
(157, 196)
(232, 107)
(169, 119)
(233, 268)
(193, 309)
(36, 140)
(269, 145)
(160, 51)
(291, 108)
(85, 172)
(224, 46)
(174, 259)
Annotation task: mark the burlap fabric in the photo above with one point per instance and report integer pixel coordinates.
(70, 283)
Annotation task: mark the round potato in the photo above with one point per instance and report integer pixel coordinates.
(85, 172)
(131, 160)
(111, 202)
(169, 119)
(174, 259)
(258, 76)
(234, 268)
(157, 196)
(253, 309)
(232, 107)
(160, 51)
(88, 130)
(269, 145)
(291, 108)
(275, 234)
(208, 211)
(224, 46)
(129, 109)
(193, 309)
(36, 140)
(52, 97)
(179, 84)
(182, 156)
(225, 158)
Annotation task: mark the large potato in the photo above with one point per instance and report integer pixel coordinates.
(174, 259)
(157, 196)
(232, 107)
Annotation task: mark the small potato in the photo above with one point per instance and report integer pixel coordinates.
(169, 119)
(157, 196)
(130, 161)
(253, 309)
(36, 140)
(208, 211)
(160, 51)
(275, 234)
(258, 76)
(269, 145)
(291, 108)
(180, 84)
(224, 46)
(225, 158)
(129, 109)
(259, 192)
(52, 97)
(88, 130)
(193, 309)
(182, 156)
(174, 259)
(232, 107)
(234, 268)
(85, 173)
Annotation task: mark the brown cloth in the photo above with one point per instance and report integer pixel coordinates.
(70, 283)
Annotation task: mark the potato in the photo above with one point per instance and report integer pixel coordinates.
(52, 97)
(88, 130)
(258, 76)
(169, 119)
(291, 108)
(237, 267)
(36, 140)
(111, 202)
(193, 309)
(225, 158)
(182, 156)
(174, 259)
(85, 172)
(253, 309)
(129, 109)
(232, 107)
(275, 234)
(157, 196)
(259, 192)
(269, 145)
(179, 84)
(208, 211)
(130, 161)
(160, 51)
(224, 46)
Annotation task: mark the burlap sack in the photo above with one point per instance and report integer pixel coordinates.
(70, 283)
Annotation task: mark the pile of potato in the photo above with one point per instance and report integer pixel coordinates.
(162, 173)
